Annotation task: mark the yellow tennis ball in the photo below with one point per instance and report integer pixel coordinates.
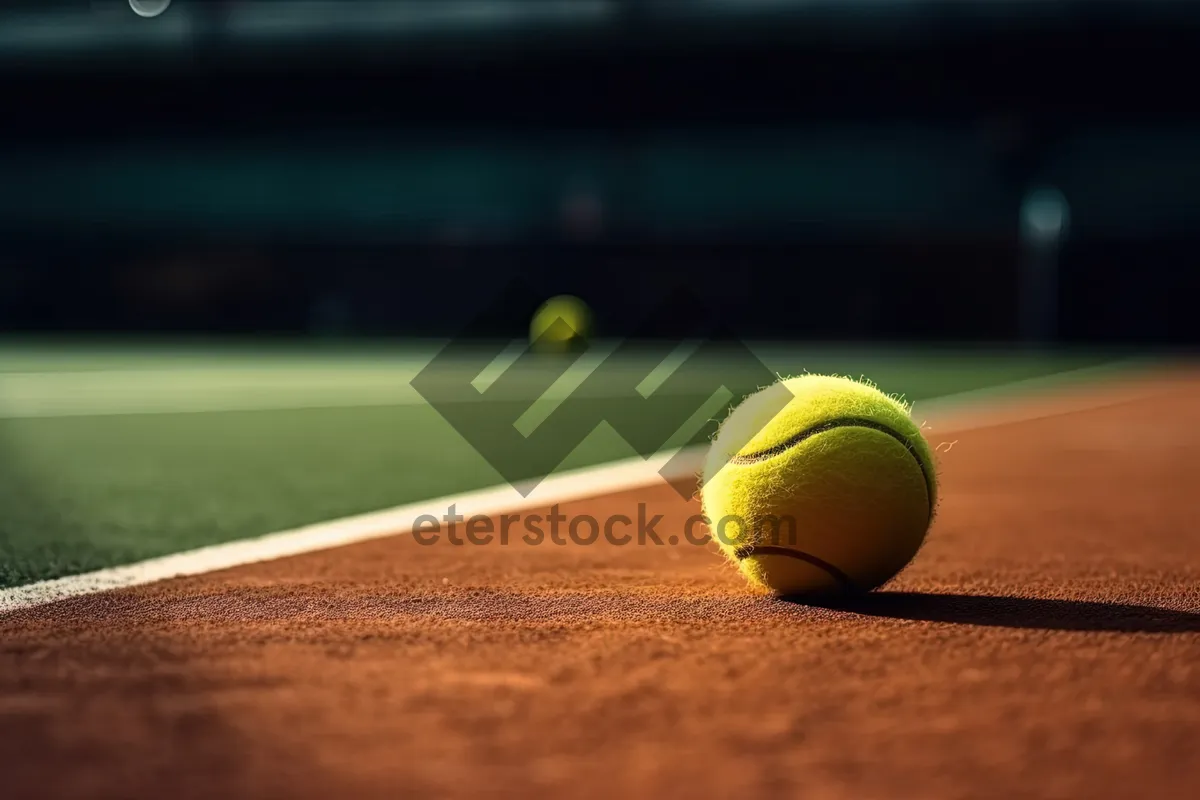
(561, 324)
(819, 485)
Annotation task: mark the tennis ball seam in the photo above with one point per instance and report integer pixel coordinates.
(834, 424)
(750, 551)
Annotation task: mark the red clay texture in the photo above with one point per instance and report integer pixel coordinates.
(1044, 643)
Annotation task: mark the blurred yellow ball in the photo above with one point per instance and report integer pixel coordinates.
(562, 324)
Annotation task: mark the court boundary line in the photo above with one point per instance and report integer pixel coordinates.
(1019, 401)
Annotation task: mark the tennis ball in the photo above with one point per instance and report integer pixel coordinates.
(561, 324)
(819, 485)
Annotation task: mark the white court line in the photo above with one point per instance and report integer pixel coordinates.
(615, 477)
(191, 390)
(968, 411)
(1037, 398)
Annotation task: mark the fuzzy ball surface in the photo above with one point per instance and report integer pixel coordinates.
(819, 486)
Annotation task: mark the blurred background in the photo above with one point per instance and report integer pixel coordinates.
(902, 171)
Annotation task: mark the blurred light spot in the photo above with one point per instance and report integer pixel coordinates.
(149, 8)
(1045, 213)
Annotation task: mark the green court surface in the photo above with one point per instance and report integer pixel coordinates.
(113, 454)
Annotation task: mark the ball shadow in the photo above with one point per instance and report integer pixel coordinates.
(1017, 612)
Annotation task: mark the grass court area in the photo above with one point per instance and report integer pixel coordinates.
(110, 454)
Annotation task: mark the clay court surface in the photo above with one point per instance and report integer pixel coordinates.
(1045, 643)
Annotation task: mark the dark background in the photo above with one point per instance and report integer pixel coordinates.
(844, 171)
